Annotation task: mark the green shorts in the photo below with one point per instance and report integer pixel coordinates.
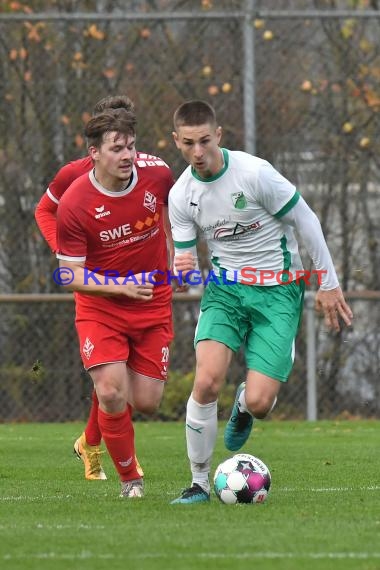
(264, 320)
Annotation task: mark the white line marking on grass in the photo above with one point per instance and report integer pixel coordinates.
(28, 498)
(281, 489)
(328, 489)
(53, 526)
(296, 555)
(30, 438)
(62, 556)
(85, 555)
(64, 526)
(164, 437)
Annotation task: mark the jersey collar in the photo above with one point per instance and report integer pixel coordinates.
(226, 159)
(124, 192)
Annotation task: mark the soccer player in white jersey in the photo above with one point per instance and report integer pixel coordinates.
(247, 212)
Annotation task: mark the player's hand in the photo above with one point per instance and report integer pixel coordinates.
(333, 306)
(184, 262)
(137, 288)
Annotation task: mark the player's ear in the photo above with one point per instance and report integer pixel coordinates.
(219, 133)
(175, 137)
(93, 152)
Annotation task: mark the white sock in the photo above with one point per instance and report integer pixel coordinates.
(242, 403)
(201, 431)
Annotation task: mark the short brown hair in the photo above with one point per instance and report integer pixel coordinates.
(113, 102)
(194, 112)
(113, 120)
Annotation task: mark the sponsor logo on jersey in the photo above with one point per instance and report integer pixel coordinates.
(113, 237)
(140, 225)
(115, 233)
(218, 224)
(239, 200)
(236, 232)
(150, 201)
(101, 213)
(147, 228)
(87, 348)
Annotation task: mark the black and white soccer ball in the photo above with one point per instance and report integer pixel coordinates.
(242, 478)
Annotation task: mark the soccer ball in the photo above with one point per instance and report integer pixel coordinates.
(242, 479)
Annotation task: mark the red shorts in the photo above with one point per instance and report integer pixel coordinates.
(140, 340)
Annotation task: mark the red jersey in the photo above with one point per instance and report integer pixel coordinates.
(119, 232)
(46, 209)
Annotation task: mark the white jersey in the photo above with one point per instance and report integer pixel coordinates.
(239, 211)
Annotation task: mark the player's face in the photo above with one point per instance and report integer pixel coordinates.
(199, 146)
(114, 160)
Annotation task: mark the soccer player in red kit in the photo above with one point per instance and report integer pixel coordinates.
(87, 446)
(110, 238)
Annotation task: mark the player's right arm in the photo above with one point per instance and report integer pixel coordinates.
(184, 232)
(73, 274)
(76, 277)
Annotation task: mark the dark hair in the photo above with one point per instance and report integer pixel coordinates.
(112, 120)
(193, 113)
(113, 102)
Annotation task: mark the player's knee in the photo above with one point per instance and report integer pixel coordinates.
(206, 388)
(110, 397)
(259, 405)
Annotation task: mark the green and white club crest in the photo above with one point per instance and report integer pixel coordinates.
(239, 200)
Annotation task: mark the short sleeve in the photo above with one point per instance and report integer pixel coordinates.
(71, 237)
(274, 192)
(184, 230)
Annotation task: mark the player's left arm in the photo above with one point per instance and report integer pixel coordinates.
(46, 209)
(45, 215)
(329, 298)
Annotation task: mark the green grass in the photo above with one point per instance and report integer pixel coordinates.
(323, 510)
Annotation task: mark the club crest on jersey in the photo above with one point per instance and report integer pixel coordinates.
(100, 212)
(87, 348)
(239, 200)
(150, 201)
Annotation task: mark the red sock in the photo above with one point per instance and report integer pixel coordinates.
(119, 437)
(92, 431)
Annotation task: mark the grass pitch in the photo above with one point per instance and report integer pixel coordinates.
(323, 510)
